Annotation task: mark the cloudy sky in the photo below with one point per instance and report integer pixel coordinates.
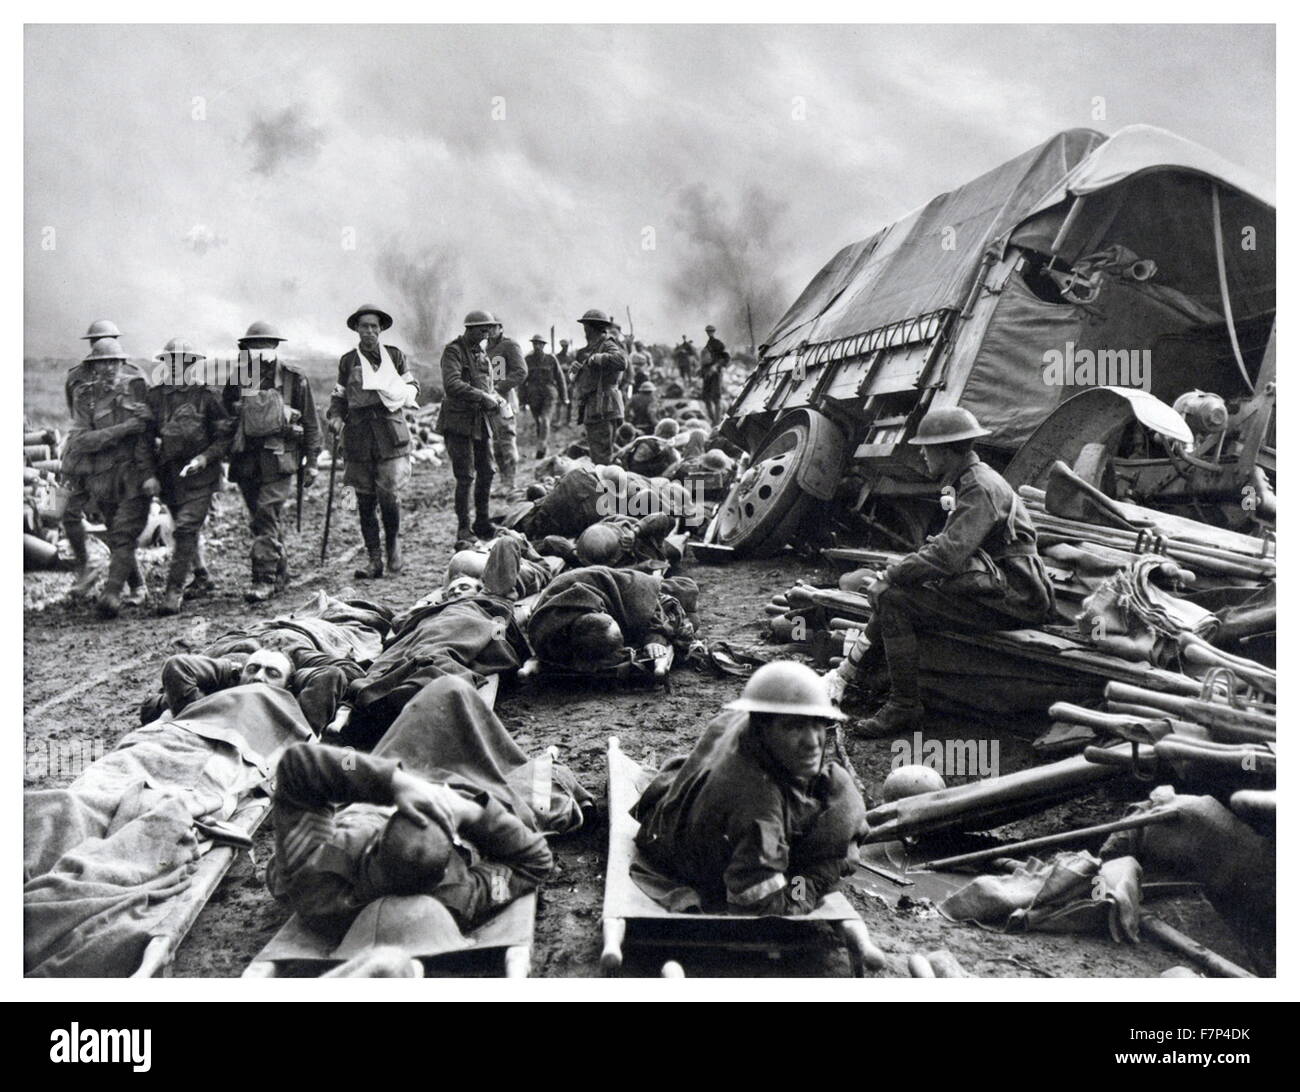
(193, 179)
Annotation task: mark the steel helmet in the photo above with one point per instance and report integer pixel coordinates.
(599, 544)
(480, 318)
(612, 473)
(101, 328)
(106, 348)
(597, 315)
(385, 319)
(716, 459)
(466, 563)
(710, 329)
(646, 387)
(787, 687)
(666, 428)
(179, 346)
(947, 425)
(911, 781)
(261, 331)
(625, 434)
(537, 339)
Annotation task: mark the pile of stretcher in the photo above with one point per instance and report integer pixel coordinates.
(1159, 668)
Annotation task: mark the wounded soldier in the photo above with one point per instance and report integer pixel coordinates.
(465, 629)
(103, 858)
(589, 618)
(433, 812)
(759, 818)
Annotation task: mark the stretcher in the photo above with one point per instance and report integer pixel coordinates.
(418, 924)
(630, 916)
(160, 952)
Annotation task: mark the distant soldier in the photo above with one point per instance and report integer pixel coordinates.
(108, 462)
(374, 386)
(713, 363)
(276, 431)
(543, 389)
(469, 404)
(565, 360)
(685, 356)
(508, 372)
(643, 409)
(193, 433)
(601, 363)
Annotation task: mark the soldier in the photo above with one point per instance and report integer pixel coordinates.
(108, 461)
(643, 409)
(601, 363)
(508, 372)
(566, 362)
(981, 573)
(543, 389)
(276, 433)
(374, 386)
(713, 363)
(469, 404)
(193, 431)
(685, 356)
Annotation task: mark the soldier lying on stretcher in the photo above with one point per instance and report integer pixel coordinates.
(759, 818)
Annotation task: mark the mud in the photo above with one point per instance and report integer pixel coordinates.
(83, 680)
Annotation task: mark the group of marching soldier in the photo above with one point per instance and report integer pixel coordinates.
(131, 442)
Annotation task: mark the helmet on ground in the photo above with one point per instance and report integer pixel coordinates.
(106, 348)
(261, 331)
(535, 491)
(911, 781)
(666, 428)
(597, 315)
(947, 425)
(179, 346)
(385, 319)
(789, 688)
(101, 328)
(716, 459)
(625, 434)
(480, 318)
(599, 544)
(466, 563)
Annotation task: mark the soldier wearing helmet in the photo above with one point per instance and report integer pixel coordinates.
(760, 817)
(601, 363)
(108, 463)
(544, 388)
(374, 386)
(276, 432)
(982, 573)
(193, 433)
(508, 372)
(686, 358)
(469, 405)
(564, 358)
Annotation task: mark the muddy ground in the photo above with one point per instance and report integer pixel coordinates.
(83, 680)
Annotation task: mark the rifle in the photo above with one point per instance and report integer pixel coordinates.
(302, 470)
(329, 500)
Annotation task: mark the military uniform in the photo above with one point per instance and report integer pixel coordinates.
(106, 462)
(508, 372)
(595, 389)
(982, 573)
(731, 823)
(543, 388)
(564, 359)
(264, 467)
(463, 421)
(715, 360)
(376, 445)
(188, 421)
(685, 357)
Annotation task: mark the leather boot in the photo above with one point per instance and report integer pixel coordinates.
(109, 603)
(393, 550)
(170, 603)
(893, 717)
(372, 570)
(87, 573)
(392, 516)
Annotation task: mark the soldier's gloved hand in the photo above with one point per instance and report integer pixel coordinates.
(336, 425)
(152, 487)
(194, 466)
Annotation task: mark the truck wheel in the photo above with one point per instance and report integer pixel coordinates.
(765, 507)
(1093, 466)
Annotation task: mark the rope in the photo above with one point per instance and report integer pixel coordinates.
(1223, 286)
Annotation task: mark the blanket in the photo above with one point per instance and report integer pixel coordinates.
(103, 857)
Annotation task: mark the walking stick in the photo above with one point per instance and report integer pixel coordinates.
(329, 500)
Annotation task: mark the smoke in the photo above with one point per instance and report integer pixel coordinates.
(730, 255)
(423, 282)
(283, 137)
